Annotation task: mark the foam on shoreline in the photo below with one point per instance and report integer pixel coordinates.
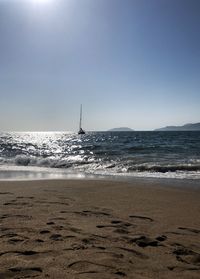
(39, 174)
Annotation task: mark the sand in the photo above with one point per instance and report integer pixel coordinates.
(98, 229)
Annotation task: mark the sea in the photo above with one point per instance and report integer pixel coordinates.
(148, 154)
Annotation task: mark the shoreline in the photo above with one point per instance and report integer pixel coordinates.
(164, 182)
(98, 229)
(22, 172)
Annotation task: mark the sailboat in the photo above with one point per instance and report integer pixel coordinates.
(81, 131)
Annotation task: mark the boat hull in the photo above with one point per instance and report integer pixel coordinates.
(81, 132)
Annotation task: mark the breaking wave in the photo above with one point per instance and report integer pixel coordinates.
(136, 153)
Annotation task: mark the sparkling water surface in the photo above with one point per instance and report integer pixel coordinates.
(140, 154)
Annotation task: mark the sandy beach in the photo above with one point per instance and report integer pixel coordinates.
(98, 229)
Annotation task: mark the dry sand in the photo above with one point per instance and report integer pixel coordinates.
(98, 229)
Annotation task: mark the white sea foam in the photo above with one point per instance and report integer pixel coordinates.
(37, 173)
(147, 154)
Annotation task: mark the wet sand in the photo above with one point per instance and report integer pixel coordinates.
(98, 229)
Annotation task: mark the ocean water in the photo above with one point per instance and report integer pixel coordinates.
(131, 154)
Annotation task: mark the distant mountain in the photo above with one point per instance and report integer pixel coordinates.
(186, 127)
(121, 129)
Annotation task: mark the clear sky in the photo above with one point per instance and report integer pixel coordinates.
(133, 63)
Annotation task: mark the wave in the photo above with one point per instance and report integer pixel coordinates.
(51, 162)
(89, 164)
(164, 169)
(128, 154)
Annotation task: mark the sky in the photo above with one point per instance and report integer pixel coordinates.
(132, 63)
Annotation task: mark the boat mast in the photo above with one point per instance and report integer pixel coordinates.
(80, 124)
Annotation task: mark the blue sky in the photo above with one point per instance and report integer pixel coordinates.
(133, 63)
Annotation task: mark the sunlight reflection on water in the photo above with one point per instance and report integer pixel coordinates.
(139, 154)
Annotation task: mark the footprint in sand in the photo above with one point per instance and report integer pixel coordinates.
(183, 254)
(185, 231)
(161, 238)
(192, 230)
(49, 203)
(89, 266)
(23, 272)
(89, 240)
(138, 217)
(50, 223)
(5, 216)
(8, 235)
(90, 213)
(15, 202)
(56, 237)
(13, 238)
(39, 240)
(6, 193)
(144, 241)
(22, 253)
(86, 267)
(119, 226)
(133, 252)
(44, 232)
(181, 268)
